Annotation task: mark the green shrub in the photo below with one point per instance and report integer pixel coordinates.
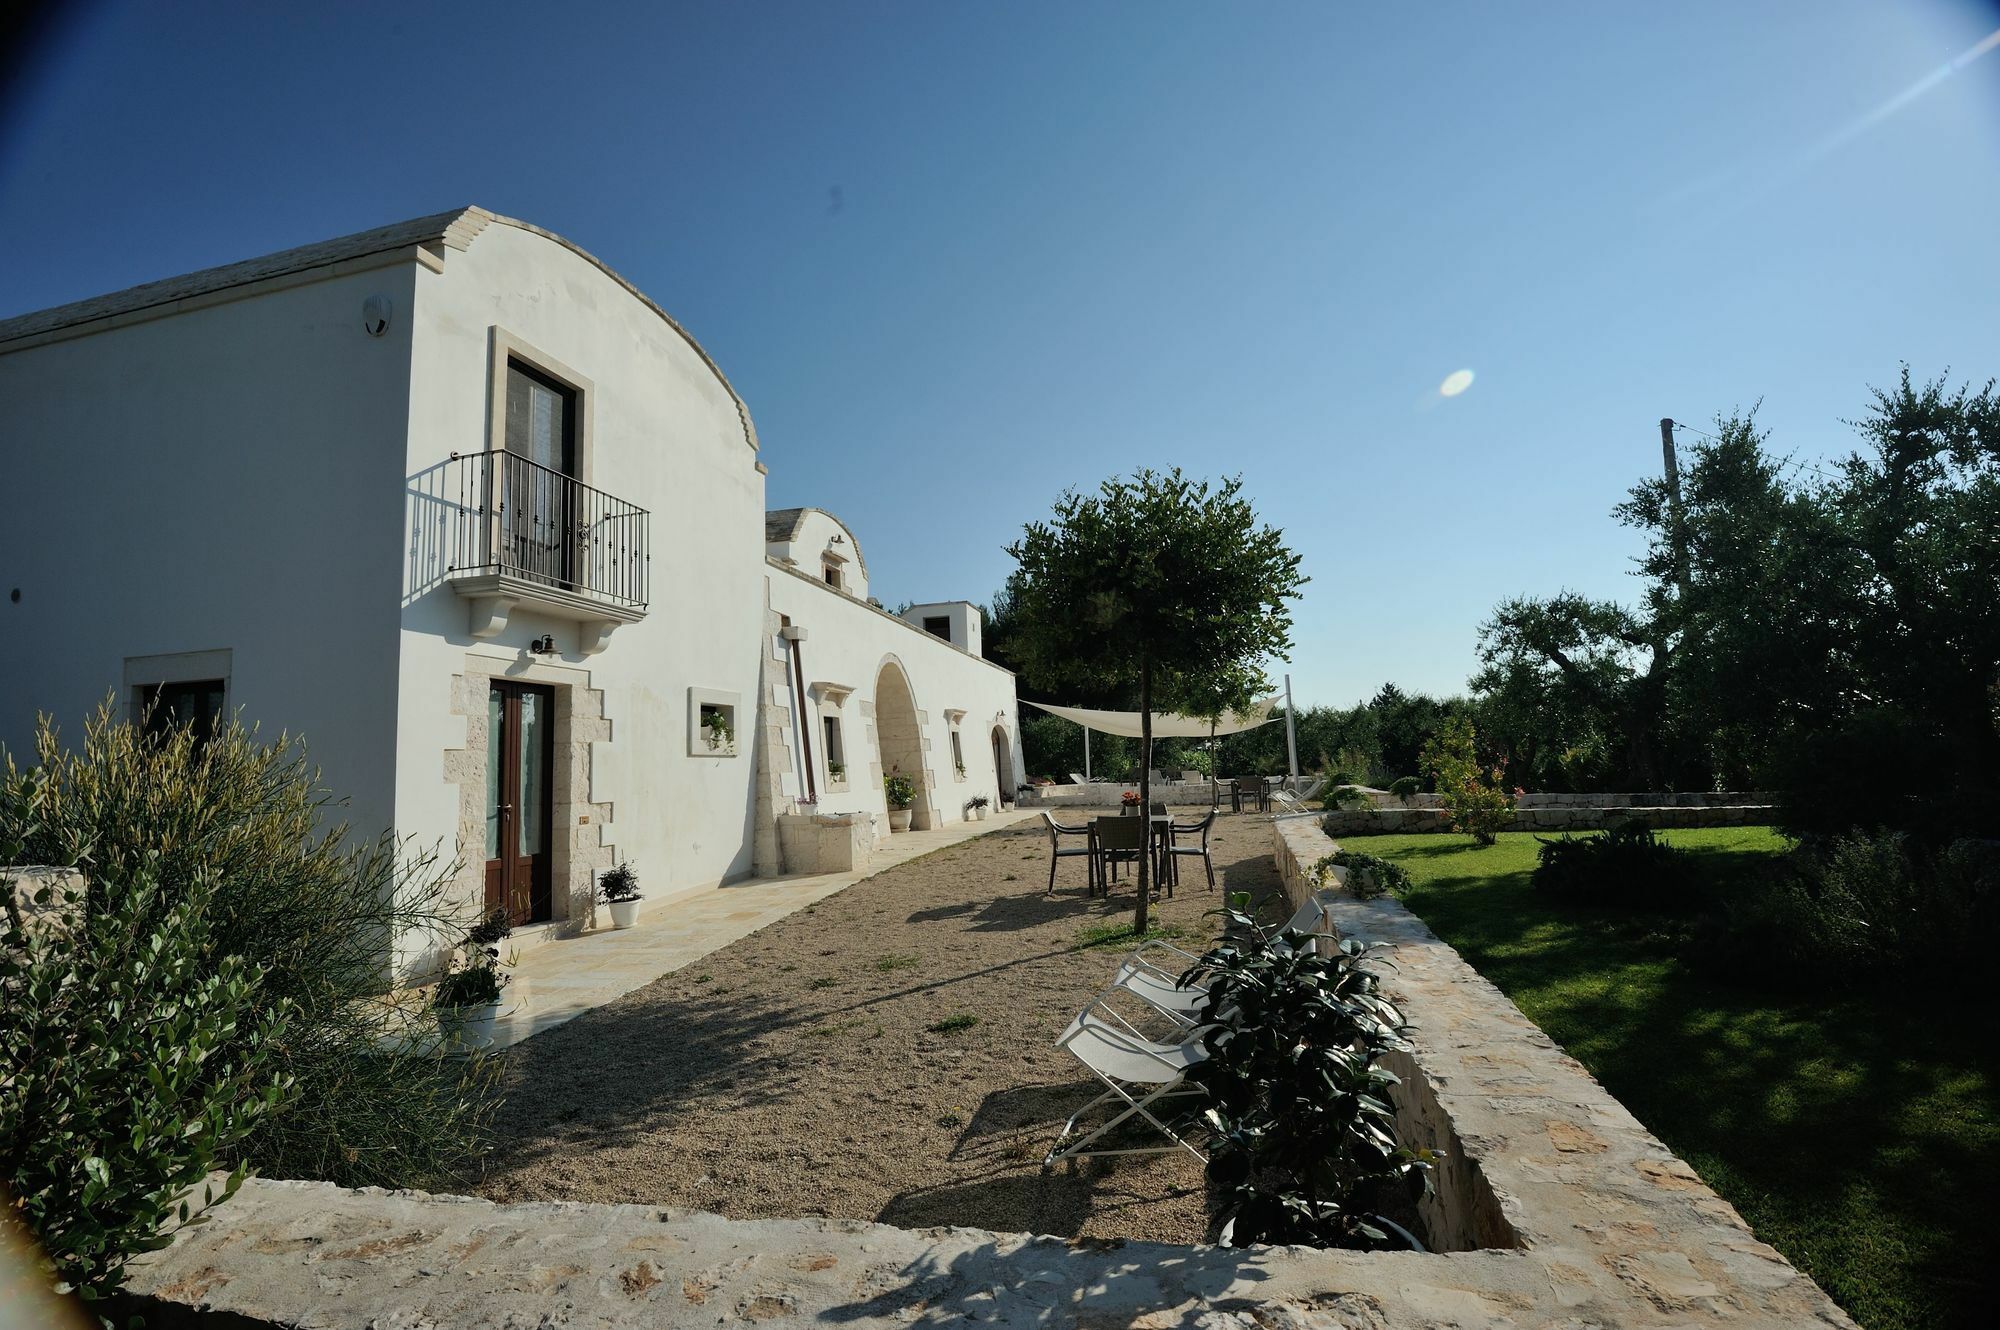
(1473, 797)
(1627, 865)
(1346, 796)
(1301, 1132)
(317, 916)
(136, 1060)
(899, 790)
(1406, 788)
(1871, 903)
(1368, 876)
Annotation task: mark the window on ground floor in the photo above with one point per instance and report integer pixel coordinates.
(957, 752)
(836, 752)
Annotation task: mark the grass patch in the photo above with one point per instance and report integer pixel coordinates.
(1857, 1131)
(953, 1024)
(1119, 933)
(842, 1029)
(891, 963)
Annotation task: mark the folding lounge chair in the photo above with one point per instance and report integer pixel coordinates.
(1308, 918)
(1158, 989)
(1141, 1074)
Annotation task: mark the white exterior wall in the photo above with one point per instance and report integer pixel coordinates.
(821, 534)
(962, 615)
(221, 478)
(847, 643)
(665, 434)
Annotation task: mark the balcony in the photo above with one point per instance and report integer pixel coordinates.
(519, 534)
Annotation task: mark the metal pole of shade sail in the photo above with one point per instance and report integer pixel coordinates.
(1291, 735)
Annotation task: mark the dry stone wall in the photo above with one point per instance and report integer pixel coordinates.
(1551, 817)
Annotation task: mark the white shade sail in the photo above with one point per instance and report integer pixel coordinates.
(1166, 724)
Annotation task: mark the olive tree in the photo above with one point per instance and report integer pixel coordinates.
(1158, 583)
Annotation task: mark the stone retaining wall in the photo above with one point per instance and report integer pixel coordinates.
(1560, 1211)
(1551, 818)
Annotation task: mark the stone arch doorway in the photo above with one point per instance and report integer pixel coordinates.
(1003, 764)
(899, 738)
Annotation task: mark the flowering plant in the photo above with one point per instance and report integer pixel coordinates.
(1473, 797)
(1130, 798)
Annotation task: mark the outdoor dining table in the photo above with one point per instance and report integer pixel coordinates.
(1161, 835)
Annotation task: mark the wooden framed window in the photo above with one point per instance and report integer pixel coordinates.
(836, 752)
(197, 703)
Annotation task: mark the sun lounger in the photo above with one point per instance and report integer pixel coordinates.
(1144, 1076)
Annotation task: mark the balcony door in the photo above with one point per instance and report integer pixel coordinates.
(540, 468)
(520, 764)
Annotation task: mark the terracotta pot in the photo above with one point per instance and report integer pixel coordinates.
(899, 818)
(623, 913)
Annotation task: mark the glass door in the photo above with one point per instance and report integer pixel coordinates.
(520, 757)
(540, 466)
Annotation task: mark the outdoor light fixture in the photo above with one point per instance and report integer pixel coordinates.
(545, 645)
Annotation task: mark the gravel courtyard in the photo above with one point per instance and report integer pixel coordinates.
(887, 1054)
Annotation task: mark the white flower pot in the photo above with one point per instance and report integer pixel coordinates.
(471, 1027)
(979, 813)
(623, 913)
(899, 818)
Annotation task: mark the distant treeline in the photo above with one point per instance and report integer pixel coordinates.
(1828, 628)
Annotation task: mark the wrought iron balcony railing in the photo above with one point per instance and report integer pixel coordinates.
(517, 518)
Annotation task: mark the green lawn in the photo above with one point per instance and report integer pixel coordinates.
(1855, 1132)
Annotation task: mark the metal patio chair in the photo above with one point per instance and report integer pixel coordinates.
(1177, 851)
(1087, 851)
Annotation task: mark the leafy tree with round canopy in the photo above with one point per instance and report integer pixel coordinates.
(1160, 583)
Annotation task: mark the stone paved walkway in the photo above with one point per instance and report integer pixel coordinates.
(559, 981)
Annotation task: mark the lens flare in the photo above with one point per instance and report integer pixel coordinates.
(1455, 383)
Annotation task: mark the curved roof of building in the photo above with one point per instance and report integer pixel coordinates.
(781, 527)
(456, 229)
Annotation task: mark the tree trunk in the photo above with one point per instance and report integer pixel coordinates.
(1145, 797)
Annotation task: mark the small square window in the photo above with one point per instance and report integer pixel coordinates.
(832, 575)
(937, 625)
(195, 703)
(713, 718)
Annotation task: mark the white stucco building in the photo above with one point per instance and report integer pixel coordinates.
(461, 506)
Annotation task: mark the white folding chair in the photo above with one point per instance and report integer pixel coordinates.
(1158, 989)
(1139, 1073)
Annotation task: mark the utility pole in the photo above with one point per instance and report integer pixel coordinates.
(1676, 518)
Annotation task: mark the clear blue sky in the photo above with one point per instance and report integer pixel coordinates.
(1071, 239)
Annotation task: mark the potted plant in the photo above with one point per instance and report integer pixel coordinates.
(837, 771)
(620, 888)
(975, 807)
(959, 767)
(901, 792)
(1301, 1125)
(467, 998)
(716, 730)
